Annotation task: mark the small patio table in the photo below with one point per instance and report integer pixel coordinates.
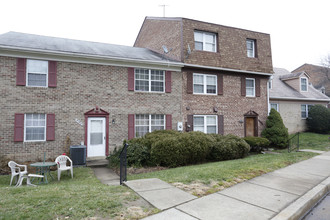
(43, 168)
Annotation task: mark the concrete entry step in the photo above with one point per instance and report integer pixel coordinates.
(106, 176)
(97, 162)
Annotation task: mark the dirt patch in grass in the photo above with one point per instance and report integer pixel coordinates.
(200, 189)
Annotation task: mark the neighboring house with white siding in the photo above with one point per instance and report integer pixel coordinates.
(291, 95)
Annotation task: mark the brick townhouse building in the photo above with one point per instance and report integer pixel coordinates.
(207, 77)
(225, 73)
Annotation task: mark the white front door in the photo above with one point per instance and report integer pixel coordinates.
(96, 137)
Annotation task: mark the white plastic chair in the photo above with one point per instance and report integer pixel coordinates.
(17, 171)
(61, 162)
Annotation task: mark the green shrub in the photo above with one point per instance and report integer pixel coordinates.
(318, 120)
(257, 143)
(275, 130)
(113, 158)
(228, 147)
(182, 149)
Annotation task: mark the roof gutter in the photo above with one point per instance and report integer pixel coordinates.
(228, 69)
(300, 99)
(67, 56)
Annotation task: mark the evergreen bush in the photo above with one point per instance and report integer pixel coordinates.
(275, 130)
(319, 119)
(257, 143)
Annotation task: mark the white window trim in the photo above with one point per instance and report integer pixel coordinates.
(205, 85)
(254, 87)
(39, 126)
(301, 84)
(306, 109)
(149, 80)
(274, 104)
(149, 127)
(253, 48)
(205, 122)
(27, 74)
(270, 84)
(204, 41)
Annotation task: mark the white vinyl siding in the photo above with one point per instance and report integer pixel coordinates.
(205, 41)
(35, 127)
(145, 123)
(37, 73)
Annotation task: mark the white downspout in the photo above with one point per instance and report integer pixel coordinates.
(268, 103)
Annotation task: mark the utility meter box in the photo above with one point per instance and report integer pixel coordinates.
(180, 126)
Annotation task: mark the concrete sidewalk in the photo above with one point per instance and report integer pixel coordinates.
(106, 176)
(287, 193)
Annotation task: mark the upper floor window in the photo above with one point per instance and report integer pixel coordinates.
(148, 123)
(35, 127)
(205, 84)
(250, 87)
(37, 73)
(250, 47)
(270, 84)
(303, 84)
(149, 80)
(206, 123)
(205, 41)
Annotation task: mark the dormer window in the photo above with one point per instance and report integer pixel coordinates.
(303, 84)
(251, 47)
(205, 41)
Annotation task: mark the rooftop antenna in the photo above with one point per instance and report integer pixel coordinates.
(164, 6)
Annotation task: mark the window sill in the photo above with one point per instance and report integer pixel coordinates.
(147, 92)
(204, 94)
(43, 141)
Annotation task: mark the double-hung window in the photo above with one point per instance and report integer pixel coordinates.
(147, 80)
(205, 84)
(37, 73)
(274, 106)
(148, 123)
(206, 123)
(250, 87)
(303, 84)
(205, 41)
(304, 110)
(35, 127)
(250, 47)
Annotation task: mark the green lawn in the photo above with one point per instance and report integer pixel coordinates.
(314, 141)
(81, 197)
(219, 175)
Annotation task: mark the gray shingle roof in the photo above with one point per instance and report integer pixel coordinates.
(55, 44)
(291, 76)
(283, 90)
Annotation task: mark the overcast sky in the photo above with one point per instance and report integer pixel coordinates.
(299, 29)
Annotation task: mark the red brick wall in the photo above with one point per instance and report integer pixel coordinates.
(178, 33)
(80, 87)
(231, 104)
(231, 47)
(156, 33)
